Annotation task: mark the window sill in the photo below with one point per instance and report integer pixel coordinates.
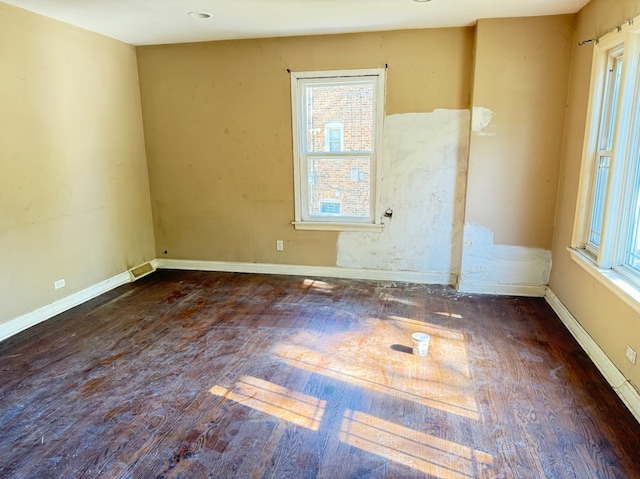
(615, 282)
(308, 226)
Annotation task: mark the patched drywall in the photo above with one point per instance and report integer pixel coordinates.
(423, 175)
(481, 118)
(485, 263)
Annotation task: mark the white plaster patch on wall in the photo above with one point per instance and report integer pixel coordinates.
(488, 263)
(423, 174)
(481, 119)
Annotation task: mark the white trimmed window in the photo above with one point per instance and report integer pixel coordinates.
(337, 129)
(606, 239)
(334, 137)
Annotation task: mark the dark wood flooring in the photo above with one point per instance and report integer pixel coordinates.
(220, 375)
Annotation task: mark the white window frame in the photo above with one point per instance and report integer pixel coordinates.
(328, 222)
(606, 262)
(605, 93)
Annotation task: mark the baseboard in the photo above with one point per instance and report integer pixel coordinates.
(301, 270)
(620, 384)
(42, 314)
(537, 291)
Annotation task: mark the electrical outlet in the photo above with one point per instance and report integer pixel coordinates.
(631, 354)
(59, 284)
(280, 245)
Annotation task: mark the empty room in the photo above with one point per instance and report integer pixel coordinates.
(319, 239)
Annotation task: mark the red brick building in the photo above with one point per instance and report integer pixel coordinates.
(339, 120)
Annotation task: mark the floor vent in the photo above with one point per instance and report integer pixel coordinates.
(140, 271)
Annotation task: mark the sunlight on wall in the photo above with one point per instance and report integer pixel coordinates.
(433, 456)
(269, 398)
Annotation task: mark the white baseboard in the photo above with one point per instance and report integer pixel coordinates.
(42, 314)
(537, 290)
(353, 273)
(620, 384)
(301, 270)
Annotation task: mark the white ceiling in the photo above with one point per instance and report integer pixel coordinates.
(148, 22)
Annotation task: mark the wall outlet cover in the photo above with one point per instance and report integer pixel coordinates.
(631, 354)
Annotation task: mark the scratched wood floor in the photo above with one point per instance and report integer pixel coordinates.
(220, 375)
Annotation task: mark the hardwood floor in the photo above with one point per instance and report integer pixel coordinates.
(198, 375)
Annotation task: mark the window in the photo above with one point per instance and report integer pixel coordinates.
(337, 130)
(602, 159)
(607, 228)
(334, 137)
(330, 207)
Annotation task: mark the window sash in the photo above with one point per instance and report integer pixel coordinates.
(613, 75)
(602, 159)
(630, 232)
(302, 157)
(354, 86)
(597, 207)
(317, 190)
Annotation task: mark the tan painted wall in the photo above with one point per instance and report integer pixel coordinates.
(74, 196)
(521, 75)
(217, 120)
(609, 321)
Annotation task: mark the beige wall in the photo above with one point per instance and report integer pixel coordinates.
(217, 122)
(74, 197)
(609, 321)
(521, 75)
(519, 91)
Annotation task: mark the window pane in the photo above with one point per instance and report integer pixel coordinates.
(339, 186)
(632, 254)
(632, 246)
(597, 214)
(612, 90)
(348, 104)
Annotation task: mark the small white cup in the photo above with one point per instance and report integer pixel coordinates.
(420, 343)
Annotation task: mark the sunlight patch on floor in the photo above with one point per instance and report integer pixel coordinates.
(269, 398)
(317, 285)
(430, 328)
(392, 299)
(434, 456)
(440, 380)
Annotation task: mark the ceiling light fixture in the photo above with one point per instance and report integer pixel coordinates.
(200, 15)
(421, 1)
